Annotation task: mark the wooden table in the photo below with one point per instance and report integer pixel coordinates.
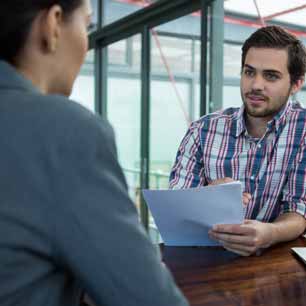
(213, 276)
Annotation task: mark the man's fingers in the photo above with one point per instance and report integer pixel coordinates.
(241, 247)
(250, 222)
(239, 252)
(246, 198)
(222, 181)
(237, 229)
(245, 201)
(232, 239)
(248, 195)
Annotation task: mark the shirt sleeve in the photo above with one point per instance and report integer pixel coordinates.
(96, 232)
(294, 192)
(188, 169)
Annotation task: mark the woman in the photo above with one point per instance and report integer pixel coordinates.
(67, 225)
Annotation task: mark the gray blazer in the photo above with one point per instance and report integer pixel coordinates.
(66, 221)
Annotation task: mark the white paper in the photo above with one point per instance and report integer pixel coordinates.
(301, 252)
(185, 216)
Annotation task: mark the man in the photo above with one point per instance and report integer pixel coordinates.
(262, 144)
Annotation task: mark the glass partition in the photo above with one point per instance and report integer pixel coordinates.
(83, 89)
(117, 9)
(123, 108)
(174, 96)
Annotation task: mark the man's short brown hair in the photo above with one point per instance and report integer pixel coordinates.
(277, 38)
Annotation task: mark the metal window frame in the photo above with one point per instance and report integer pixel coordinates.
(140, 22)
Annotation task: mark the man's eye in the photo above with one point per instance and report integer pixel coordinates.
(271, 76)
(249, 72)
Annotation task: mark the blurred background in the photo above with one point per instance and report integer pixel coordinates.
(155, 66)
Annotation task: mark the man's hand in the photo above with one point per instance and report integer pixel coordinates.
(246, 197)
(244, 239)
(252, 236)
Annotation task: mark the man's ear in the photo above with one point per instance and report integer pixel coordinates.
(51, 22)
(297, 86)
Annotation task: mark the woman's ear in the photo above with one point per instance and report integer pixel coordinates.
(51, 22)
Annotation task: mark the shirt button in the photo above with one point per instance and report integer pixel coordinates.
(259, 146)
(252, 177)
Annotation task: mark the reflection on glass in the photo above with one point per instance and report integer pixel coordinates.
(117, 53)
(232, 60)
(168, 126)
(94, 20)
(178, 53)
(301, 97)
(116, 9)
(197, 57)
(197, 71)
(127, 54)
(135, 52)
(123, 112)
(231, 96)
(174, 102)
(83, 88)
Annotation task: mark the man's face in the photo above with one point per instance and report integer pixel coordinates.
(265, 82)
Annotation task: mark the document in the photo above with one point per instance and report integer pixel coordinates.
(301, 252)
(184, 217)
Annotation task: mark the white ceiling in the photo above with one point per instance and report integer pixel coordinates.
(269, 7)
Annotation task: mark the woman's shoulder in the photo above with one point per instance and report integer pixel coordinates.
(57, 115)
(62, 107)
(71, 113)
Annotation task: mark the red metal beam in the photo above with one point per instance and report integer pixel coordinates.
(135, 2)
(298, 8)
(257, 25)
(235, 20)
(262, 21)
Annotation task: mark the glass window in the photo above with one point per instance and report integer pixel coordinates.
(117, 9)
(301, 97)
(135, 52)
(197, 57)
(266, 8)
(94, 22)
(197, 71)
(174, 98)
(231, 96)
(117, 53)
(126, 53)
(197, 93)
(232, 60)
(123, 112)
(168, 126)
(178, 52)
(83, 89)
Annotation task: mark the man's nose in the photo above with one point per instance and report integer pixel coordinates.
(258, 83)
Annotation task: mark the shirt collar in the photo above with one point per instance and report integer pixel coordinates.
(11, 78)
(241, 128)
(278, 120)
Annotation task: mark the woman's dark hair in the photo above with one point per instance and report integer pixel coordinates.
(277, 38)
(16, 18)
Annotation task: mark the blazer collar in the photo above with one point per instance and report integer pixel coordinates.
(10, 78)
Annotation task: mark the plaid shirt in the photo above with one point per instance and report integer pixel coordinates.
(271, 169)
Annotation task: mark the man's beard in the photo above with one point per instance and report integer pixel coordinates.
(266, 112)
